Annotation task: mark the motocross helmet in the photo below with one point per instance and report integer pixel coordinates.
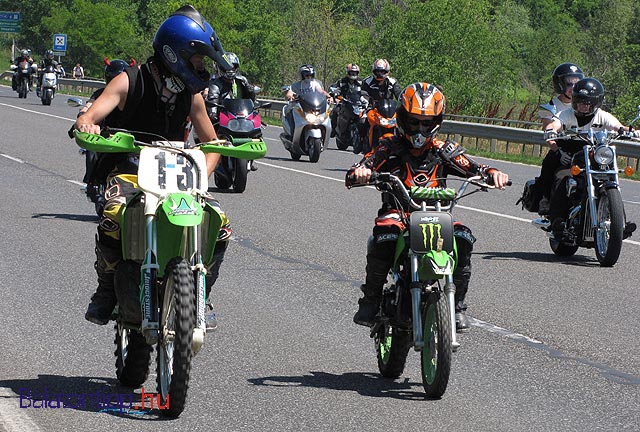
(415, 103)
(588, 91)
(180, 37)
(352, 71)
(113, 68)
(306, 70)
(564, 74)
(235, 62)
(48, 54)
(380, 69)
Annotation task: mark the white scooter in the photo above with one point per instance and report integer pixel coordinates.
(49, 85)
(305, 120)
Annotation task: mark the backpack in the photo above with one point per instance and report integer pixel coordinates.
(531, 196)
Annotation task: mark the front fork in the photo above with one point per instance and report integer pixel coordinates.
(416, 300)
(149, 281)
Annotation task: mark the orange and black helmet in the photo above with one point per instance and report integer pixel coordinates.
(414, 103)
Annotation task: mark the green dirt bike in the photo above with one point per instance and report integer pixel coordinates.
(169, 231)
(417, 307)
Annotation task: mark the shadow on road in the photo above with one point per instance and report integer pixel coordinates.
(576, 260)
(364, 383)
(72, 217)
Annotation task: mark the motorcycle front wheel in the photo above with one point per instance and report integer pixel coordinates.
(23, 89)
(132, 357)
(314, 146)
(562, 249)
(435, 357)
(392, 348)
(46, 97)
(610, 231)
(175, 352)
(239, 175)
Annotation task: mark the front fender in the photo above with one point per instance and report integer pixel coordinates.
(182, 209)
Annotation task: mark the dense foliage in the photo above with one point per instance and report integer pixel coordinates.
(485, 53)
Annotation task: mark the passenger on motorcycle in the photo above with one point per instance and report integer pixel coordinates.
(564, 77)
(307, 72)
(585, 114)
(347, 85)
(415, 155)
(379, 85)
(156, 98)
(47, 60)
(25, 55)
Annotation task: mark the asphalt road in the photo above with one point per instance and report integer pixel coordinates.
(554, 343)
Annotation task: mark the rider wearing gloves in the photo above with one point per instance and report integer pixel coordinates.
(47, 60)
(230, 85)
(585, 114)
(564, 77)
(349, 84)
(416, 156)
(156, 98)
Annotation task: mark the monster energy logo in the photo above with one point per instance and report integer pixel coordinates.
(432, 227)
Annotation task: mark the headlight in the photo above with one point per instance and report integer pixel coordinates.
(603, 155)
(315, 119)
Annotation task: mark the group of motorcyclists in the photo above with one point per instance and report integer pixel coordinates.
(172, 92)
(34, 68)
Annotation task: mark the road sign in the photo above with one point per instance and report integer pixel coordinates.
(59, 42)
(10, 22)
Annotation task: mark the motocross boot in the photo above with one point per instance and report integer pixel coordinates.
(213, 270)
(461, 276)
(104, 299)
(369, 305)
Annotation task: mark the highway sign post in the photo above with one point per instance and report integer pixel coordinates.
(59, 44)
(10, 22)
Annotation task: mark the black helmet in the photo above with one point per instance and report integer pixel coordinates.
(587, 91)
(235, 62)
(307, 69)
(561, 73)
(113, 68)
(48, 54)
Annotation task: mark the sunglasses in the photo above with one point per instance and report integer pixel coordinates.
(380, 72)
(353, 74)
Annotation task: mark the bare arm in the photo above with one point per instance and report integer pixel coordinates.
(204, 129)
(114, 95)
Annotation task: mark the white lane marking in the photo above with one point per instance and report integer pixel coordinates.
(12, 158)
(37, 112)
(501, 331)
(13, 418)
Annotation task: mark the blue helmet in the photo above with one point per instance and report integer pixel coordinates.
(184, 34)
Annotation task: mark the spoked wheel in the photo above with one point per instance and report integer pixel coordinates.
(132, 357)
(435, 357)
(392, 347)
(315, 148)
(610, 231)
(177, 320)
(239, 175)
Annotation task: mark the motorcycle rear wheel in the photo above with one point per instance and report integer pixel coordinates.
(132, 357)
(435, 357)
(608, 238)
(175, 352)
(392, 348)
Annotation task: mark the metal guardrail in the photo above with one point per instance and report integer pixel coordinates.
(462, 132)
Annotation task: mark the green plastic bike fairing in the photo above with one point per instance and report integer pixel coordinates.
(429, 193)
(182, 209)
(441, 259)
(249, 150)
(120, 142)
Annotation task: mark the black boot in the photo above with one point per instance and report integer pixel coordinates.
(462, 275)
(369, 305)
(104, 299)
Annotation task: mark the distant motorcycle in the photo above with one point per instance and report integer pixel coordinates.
(382, 121)
(350, 108)
(49, 85)
(238, 122)
(310, 130)
(22, 73)
(596, 217)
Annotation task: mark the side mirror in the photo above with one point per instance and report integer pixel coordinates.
(257, 89)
